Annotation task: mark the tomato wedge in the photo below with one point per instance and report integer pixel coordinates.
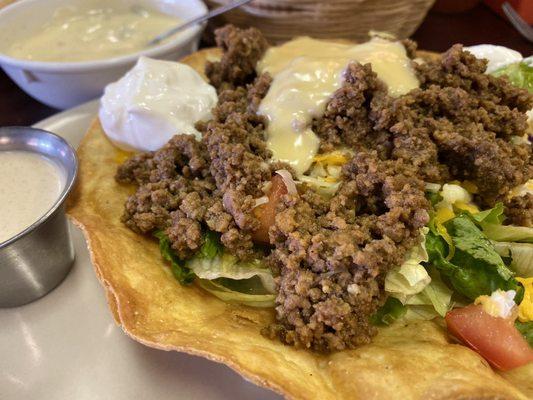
(495, 339)
(266, 213)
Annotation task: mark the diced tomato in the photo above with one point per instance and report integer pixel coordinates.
(266, 213)
(495, 339)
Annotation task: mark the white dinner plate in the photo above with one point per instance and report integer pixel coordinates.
(67, 346)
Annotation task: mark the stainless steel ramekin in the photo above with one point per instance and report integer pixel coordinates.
(36, 260)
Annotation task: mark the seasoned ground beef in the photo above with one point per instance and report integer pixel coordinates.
(330, 256)
(331, 263)
(243, 48)
(458, 125)
(519, 210)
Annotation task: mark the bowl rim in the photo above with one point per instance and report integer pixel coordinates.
(60, 201)
(183, 38)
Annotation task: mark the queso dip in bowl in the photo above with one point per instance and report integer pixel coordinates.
(64, 53)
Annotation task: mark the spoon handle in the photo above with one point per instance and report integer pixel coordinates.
(205, 17)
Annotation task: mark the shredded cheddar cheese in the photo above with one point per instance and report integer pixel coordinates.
(525, 309)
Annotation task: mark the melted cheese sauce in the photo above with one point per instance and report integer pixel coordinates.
(306, 73)
(96, 33)
(30, 184)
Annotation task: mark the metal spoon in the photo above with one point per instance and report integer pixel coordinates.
(518, 22)
(198, 20)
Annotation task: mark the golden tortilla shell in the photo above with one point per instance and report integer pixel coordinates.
(417, 361)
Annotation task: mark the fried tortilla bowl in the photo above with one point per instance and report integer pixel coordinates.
(417, 361)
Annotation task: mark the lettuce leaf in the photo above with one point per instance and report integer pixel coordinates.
(421, 290)
(436, 296)
(519, 74)
(521, 255)
(391, 311)
(228, 266)
(322, 186)
(406, 280)
(471, 245)
(411, 277)
(211, 246)
(183, 274)
(433, 193)
(220, 273)
(491, 222)
(508, 233)
(526, 329)
(212, 262)
(475, 268)
(221, 290)
(419, 313)
(491, 216)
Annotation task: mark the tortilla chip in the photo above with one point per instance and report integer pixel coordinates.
(403, 362)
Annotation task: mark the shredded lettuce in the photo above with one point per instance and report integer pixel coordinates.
(411, 277)
(417, 287)
(491, 222)
(433, 193)
(452, 193)
(321, 185)
(521, 255)
(491, 216)
(222, 274)
(221, 290)
(391, 311)
(433, 197)
(519, 74)
(211, 246)
(183, 274)
(435, 297)
(212, 262)
(508, 233)
(419, 313)
(225, 265)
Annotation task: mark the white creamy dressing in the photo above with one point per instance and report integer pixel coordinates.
(73, 34)
(30, 184)
(306, 73)
(154, 101)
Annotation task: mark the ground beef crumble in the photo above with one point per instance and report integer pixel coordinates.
(330, 256)
(519, 210)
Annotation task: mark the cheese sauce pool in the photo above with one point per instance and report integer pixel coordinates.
(91, 34)
(30, 184)
(306, 73)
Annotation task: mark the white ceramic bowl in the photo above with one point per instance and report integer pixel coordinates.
(66, 84)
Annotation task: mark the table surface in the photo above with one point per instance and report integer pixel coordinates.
(437, 33)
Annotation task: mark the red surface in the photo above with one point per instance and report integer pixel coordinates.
(479, 25)
(523, 7)
(495, 339)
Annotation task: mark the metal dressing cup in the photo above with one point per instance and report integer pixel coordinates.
(36, 260)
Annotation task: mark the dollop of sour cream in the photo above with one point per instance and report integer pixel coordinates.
(154, 101)
(498, 56)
